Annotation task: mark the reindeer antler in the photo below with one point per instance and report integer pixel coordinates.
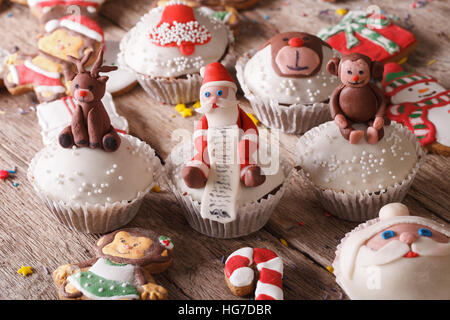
(81, 62)
(97, 67)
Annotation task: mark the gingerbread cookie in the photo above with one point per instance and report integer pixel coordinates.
(237, 4)
(38, 73)
(121, 269)
(48, 9)
(121, 80)
(421, 104)
(4, 54)
(371, 34)
(240, 276)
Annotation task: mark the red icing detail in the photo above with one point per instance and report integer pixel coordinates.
(216, 72)
(4, 174)
(263, 255)
(400, 36)
(411, 254)
(181, 14)
(410, 107)
(271, 276)
(263, 296)
(295, 42)
(29, 76)
(234, 263)
(86, 22)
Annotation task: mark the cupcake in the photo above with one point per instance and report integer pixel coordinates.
(287, 83)
(167, 48)
(395, 256)
(224, 189)
(91, 177)
(358, 162)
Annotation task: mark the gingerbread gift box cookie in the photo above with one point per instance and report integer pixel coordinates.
(396, 256)
(371, 34)
(167, 48)
(92, 178)
(358, 162)
(122, 268)
(420, 103)
(219, 179)
(287, 83)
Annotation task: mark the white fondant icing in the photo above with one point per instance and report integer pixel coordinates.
(412, 93)
(440, 117)
(85, 175)
(331, 162)
(139, 53)
(262, 80)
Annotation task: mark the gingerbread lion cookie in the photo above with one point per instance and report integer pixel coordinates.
(121, 269)
(240, 275)
(420, 103)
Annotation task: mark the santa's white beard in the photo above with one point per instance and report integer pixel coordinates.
(226, 114)
(386, 274)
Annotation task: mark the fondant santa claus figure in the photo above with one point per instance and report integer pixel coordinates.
(221, 110)
(396, 256)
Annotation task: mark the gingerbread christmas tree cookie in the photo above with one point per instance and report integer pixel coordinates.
(420, 103)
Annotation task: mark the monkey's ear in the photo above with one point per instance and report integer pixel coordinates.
(100, 241)
(333, 66)
(377, 70)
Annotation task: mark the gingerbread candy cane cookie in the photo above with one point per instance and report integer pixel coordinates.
(239, 274)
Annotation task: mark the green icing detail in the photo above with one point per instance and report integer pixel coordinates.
(104, 288)
(220, 15)
(392, 75)
(414, 115)
(420, 126)
(107, 261)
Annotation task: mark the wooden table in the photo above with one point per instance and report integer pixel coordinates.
(30, 235)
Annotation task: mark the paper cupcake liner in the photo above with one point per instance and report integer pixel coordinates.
(177, 90)
(98, 218)
(250, 217)
(363, 206)
(293, 119)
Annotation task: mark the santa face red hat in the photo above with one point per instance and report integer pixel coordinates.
(79, 24)
(216, 75)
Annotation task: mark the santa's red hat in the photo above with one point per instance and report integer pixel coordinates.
(80, 24)
(215, 74)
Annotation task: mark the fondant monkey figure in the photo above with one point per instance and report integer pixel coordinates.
(357, 100)
(122, 268)
(90, 124)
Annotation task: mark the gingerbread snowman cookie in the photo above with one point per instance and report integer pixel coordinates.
(420, 103)
(121, 269)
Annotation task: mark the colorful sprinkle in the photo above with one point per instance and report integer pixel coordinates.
(156, 188)
(183, 111)
(15, 184)
(341, 11)
(25, 270)
(403, 60)
(327, 214)
(266, 17)
(254, 119)
(302, 224)
(4, 174)
(196, 105)
(284, 242)
(431, 62)
(330, 269)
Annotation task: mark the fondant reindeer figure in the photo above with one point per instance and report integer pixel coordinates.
(90, 124)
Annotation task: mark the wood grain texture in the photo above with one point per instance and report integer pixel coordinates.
(30, 235)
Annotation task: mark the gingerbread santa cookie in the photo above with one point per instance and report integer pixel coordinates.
(48, 72)
(372, 34)
(239, 273)
(421, 104)
(395, 256)
(121, 269)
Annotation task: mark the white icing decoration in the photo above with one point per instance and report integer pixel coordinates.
(262, 80)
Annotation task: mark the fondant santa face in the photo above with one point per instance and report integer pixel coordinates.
(405, 258)
(417, 92)
(291, 68)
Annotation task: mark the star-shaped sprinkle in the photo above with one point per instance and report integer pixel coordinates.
(25, 270)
